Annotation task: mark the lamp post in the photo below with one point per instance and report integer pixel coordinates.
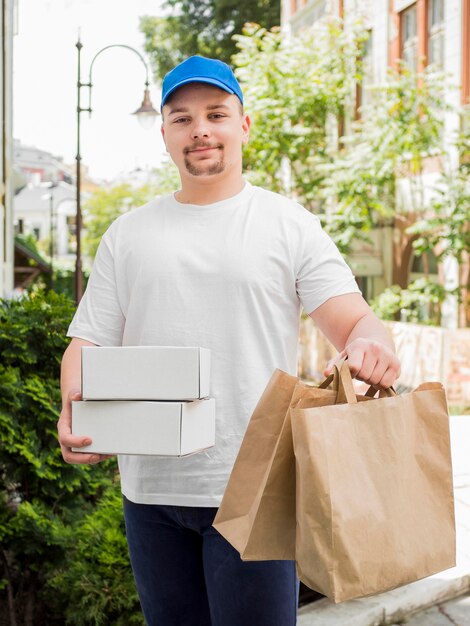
(50, 196)
(56, 223)
(52, 186)
(146, 115)
(52, 226)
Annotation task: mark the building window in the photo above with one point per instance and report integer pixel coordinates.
(306, 14)
(466, 52)
(409, 37)
(436, 33)
(363, 91)
(421, 38)
(319, 10)
(425, 264)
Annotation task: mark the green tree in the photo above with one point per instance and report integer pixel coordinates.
(398, 130)
(420, 302)
(204, 27)
(444, 228)
(294, 89)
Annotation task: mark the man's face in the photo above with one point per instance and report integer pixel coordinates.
(204, 129)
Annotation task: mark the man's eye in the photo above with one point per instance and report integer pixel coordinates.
(217, 115)
(180, 119)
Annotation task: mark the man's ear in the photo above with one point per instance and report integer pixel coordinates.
(162, 130)
(246, 128)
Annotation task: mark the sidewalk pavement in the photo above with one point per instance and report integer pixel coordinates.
(451, 613)
(397, 605)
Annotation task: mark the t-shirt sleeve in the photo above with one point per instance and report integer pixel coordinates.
(322, 271)
(99, 317)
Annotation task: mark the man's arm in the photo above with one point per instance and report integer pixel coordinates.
(70, 383)
(356, 332)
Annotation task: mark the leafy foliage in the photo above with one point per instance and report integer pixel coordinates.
(299, 95)
(64, 279)
(420, 302)
(29, 241)
(402, 125)
(43, 500)
(97, 573)
(204, 27)
(445, 227)
(292, 90)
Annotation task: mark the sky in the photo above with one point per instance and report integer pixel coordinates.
(45, 77)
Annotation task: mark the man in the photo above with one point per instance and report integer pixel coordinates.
(223, 265)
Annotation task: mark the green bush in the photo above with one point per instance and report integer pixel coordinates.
(420, 302)
(97, 573)
(46, 504)
(64, 280)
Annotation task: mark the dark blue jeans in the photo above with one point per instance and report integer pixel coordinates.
(187, 574)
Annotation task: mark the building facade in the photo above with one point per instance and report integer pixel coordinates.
(47, 211)
(44, 203)
(36, 164)
(8, 29)
(416, 32)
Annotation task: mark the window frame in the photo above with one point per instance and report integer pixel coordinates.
(414, 45)
(465, 79)
(434, 32)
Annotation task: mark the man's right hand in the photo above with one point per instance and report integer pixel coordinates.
(67, 440)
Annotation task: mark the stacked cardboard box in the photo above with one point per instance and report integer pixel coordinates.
(145, 400)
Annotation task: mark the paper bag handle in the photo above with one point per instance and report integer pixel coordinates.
(327, 382)
(346, 393)
(342, 383)
(383, 393)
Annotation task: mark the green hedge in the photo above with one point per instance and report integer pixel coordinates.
(63, 556)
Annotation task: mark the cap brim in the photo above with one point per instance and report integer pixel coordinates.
(197, 79)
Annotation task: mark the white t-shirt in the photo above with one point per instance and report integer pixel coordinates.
(230, 276)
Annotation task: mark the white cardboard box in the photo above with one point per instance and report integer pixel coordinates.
(145, 373)
(141, 427)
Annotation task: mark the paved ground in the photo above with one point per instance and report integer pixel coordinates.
(412, 602)
(453, 613)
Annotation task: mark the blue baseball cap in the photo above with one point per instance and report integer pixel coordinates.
(198, 69)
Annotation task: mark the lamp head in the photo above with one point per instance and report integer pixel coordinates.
(146, 114)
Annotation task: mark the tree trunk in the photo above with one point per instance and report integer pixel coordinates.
(11, 598)
(30, 600)
(464, 281)
(402, 250)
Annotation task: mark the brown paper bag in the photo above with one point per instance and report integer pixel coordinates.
(375, 507)
(257, 513)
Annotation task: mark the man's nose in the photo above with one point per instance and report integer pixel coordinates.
(200, 128)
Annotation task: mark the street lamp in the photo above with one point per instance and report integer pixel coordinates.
(50, 197)
(53, 184)
(146, 115)
(56, 223)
